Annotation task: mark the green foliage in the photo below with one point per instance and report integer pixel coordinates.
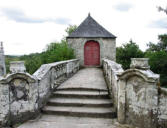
(157, 54)
(32, 61)
(58, 51)
(158, 64)
(161, 45)
(53, 53)
(70, 29)
(126, 52)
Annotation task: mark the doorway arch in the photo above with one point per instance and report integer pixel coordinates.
(92, 53)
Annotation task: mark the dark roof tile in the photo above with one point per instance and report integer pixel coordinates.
(90, 28)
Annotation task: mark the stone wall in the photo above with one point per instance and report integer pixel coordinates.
(136, 93)
(23, 95)
(107, 48)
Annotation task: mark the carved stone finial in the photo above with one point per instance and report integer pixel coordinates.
(139, 63)
(89, 14)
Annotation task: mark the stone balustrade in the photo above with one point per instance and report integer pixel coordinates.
(138, 98)
(23, 95)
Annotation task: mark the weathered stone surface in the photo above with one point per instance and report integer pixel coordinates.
(162, 108)
(111, 70)
(138, 98)
(4, 103)
(107, 48)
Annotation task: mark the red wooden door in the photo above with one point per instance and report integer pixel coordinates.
(92, 53)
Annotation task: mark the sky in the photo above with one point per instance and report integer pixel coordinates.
(27, 26)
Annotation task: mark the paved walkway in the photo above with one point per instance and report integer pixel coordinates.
(89, 78)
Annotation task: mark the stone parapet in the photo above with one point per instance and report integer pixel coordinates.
(23, 95)
(138, 98)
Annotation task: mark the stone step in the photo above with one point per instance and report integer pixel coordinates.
(80, 94)
(80, 111)
(78, 104)
(93, 102)
(77, 120)
(79, 89)
(84, 92)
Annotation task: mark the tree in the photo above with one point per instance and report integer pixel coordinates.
(70, 29)
(161, 45)
(158, 64)
(58, 51)
(126, 52)
(157, 54)
(162, 9)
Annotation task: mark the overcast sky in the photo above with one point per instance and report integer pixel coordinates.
(27, 26)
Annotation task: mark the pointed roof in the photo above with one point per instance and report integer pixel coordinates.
(90, 28)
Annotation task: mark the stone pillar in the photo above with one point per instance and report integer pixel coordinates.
(17, 66)
(2, 61)
(138, 95)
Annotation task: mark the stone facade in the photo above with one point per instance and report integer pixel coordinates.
(107, 48)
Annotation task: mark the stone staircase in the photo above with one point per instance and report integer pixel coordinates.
(80, 102)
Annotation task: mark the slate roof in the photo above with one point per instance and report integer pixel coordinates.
(90, 28)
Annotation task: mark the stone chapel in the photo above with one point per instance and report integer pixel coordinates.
(91, 43)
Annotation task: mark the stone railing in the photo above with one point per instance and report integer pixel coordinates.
(111, 70)
(138, 98)
(49, 76)
(23, 95)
